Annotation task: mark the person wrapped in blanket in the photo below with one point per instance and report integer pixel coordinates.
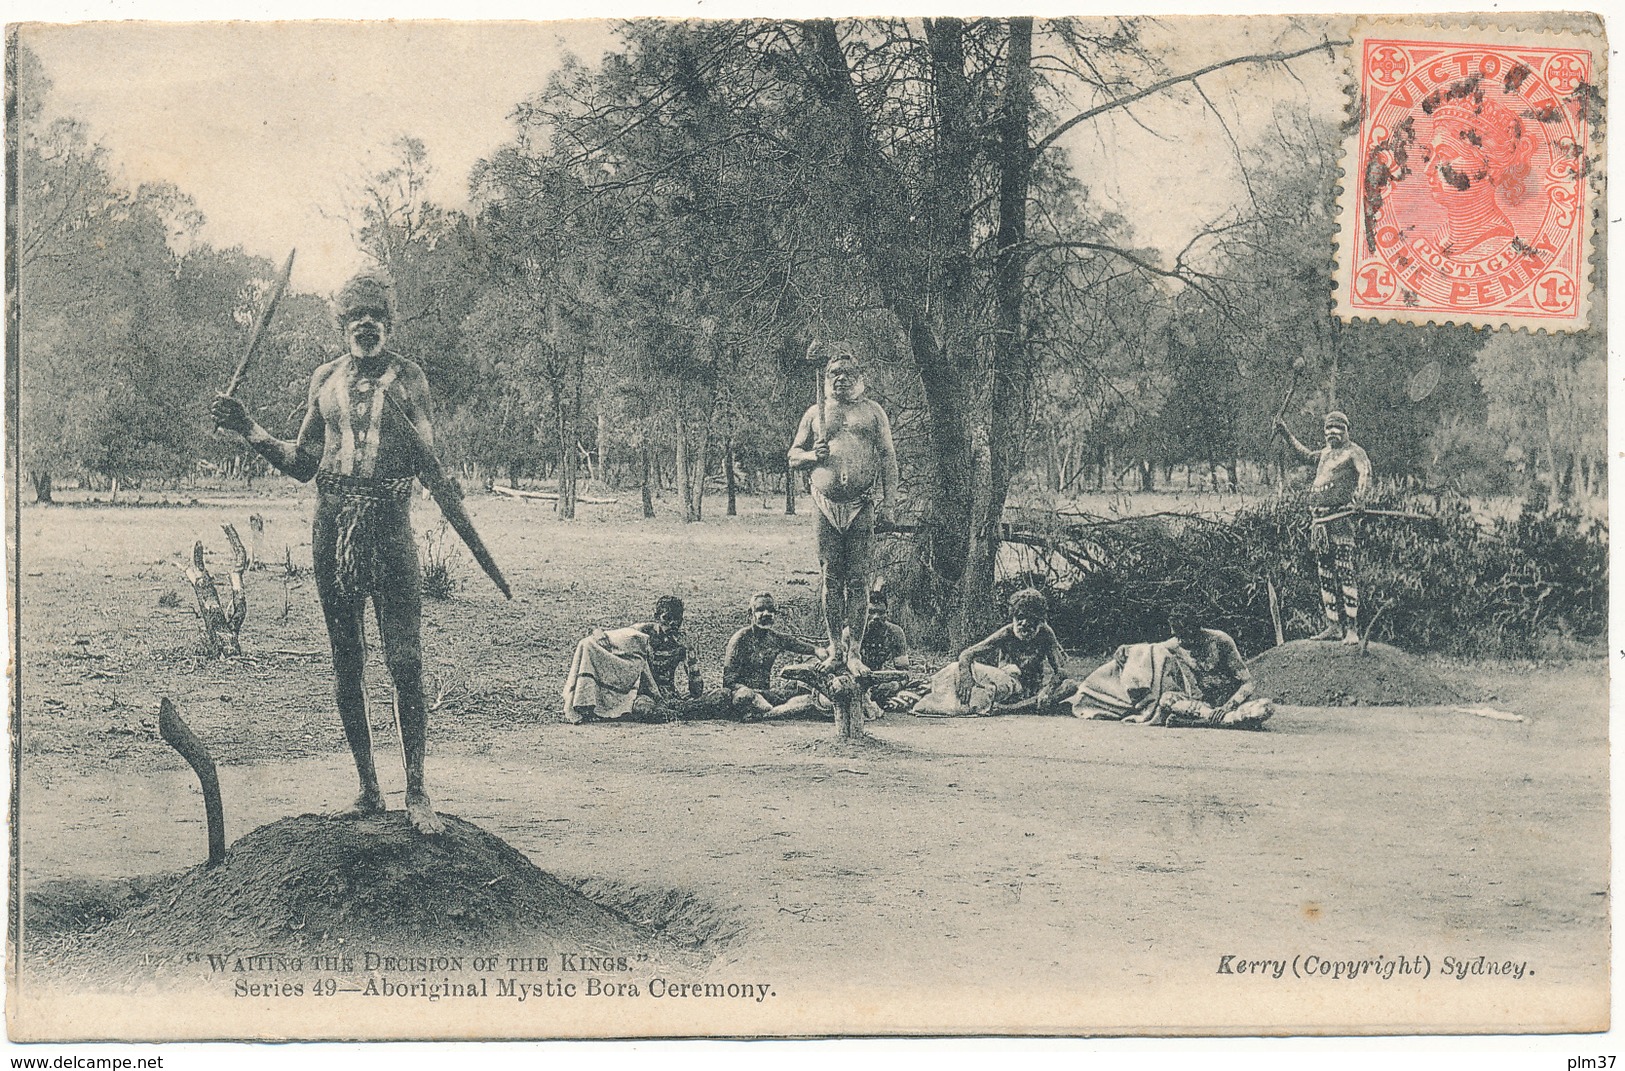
(1195, 678)
(631, 672)
(1026, 676)
(611, 677)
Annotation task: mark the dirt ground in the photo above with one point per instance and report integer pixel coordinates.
(980, 855)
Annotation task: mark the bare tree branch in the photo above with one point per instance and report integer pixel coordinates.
(1266, 57)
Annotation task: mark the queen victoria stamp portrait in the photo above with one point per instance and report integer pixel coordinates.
(1468, 195)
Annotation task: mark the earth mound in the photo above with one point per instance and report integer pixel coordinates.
(1316, 673)
(335, 882)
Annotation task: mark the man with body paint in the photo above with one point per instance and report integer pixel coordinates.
(355, 443)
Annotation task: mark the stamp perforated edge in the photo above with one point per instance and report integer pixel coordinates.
(1519, 29)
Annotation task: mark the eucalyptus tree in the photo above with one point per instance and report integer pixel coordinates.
(797, 178)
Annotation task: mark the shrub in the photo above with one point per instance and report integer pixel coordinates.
(439, 563)
(1438, 581)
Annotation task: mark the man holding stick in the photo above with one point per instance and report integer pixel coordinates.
(846, 441)
(1342, 480)
(365, 427)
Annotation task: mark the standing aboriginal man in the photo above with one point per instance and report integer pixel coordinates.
(1342, 479)
(354, 443)
(846, 441)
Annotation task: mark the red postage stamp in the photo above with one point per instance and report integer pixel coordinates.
(1467, 188)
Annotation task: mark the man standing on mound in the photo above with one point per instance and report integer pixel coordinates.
(1342, 479)
(846, 441)
(355, 442)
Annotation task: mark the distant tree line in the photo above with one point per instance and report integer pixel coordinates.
(126, 322)
(632, 293)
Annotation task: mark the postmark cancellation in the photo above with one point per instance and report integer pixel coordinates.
(1470, 177)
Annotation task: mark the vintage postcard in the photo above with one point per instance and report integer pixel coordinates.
(769, 528)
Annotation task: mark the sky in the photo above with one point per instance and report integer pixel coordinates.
(266, 125)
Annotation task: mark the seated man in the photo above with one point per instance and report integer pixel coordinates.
(747, 667)
(610, 677)
(1026, 677)
(885, 647)
(668, 651)
(1224, 695)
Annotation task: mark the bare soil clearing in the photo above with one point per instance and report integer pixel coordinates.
(980, 855)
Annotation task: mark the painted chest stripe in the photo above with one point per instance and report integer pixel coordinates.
(369, 453)
(346, 432)
(360, 459)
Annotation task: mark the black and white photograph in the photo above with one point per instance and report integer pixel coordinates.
(939, 525)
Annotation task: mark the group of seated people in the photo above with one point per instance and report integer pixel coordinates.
(1197, 677)
(633, 670)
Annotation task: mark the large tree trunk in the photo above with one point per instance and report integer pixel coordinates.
(1011, 415)
(789, 490)
(946, 353)
(975, 393)
(937, 333)
(42, 487)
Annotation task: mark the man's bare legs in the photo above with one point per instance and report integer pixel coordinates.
(844, 560)
(1048, 700)
(399, 613)
(344, 634)
(758, 706)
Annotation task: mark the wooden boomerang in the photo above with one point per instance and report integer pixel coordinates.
(260, 325)
(448, 496)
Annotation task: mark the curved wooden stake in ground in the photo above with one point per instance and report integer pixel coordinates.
(1275, 610)
(178, 735)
